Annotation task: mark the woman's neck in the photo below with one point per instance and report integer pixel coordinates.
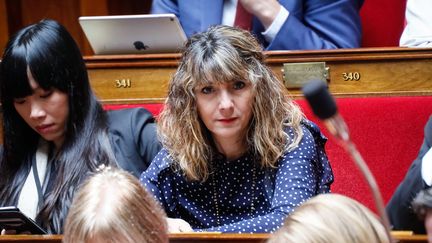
(232, 149)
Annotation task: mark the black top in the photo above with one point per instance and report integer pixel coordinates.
(132, 133)
(399, 209)
(239, 195)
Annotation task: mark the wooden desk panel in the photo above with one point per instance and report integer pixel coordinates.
(131, 78)
(31, 238)
(130, 85)
(383, 71)
(183, 238)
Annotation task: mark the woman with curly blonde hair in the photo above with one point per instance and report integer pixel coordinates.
(238, 154)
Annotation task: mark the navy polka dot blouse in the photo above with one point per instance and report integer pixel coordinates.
(239, 195)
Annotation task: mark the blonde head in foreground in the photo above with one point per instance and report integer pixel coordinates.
(329, 218)
(112, 206)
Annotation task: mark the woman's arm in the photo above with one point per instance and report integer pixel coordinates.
(318, 24)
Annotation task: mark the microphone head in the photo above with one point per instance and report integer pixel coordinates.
(319, 98)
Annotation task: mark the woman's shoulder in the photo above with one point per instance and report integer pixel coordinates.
(131, 120)
(312, 148)
(161, 164)
(313, 129)
(310, 130)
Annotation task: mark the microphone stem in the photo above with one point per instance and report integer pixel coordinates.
(337, 126)
(361, 164)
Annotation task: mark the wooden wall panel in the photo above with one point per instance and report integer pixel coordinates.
(90, 8)
(119, 7)
(4, 30)
(15, 14)
(26, 12)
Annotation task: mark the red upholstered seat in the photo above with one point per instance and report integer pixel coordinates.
(388, 132)
(154, 108)
(382, 22)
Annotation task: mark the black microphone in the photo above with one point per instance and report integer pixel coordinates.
(324, 107)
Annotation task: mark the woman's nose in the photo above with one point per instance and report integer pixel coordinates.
(37, 111)
(226, 101)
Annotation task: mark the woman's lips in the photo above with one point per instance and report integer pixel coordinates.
(229, 120)
(44, 128)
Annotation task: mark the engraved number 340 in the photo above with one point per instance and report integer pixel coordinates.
(351, 76)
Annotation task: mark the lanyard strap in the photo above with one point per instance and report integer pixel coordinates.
(39, 187)
(37, 182)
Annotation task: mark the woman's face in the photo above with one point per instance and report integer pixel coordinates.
(45, 111)
(225, 109)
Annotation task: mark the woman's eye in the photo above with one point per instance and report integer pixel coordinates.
(207, 90)
(239, 85)
(19, 101)
(46, 94)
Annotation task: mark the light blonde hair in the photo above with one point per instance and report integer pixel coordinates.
(112, 206)
(226, 54)
(329, 218)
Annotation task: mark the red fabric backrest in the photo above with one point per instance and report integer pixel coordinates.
(382, 22)
(388, 132)
(154, 108)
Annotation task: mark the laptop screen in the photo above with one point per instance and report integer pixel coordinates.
(133, 34)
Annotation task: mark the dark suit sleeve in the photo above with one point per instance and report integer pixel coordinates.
(133, 138)
(311, 24)
(399, 207)
(164, 6)
(320, 24)
(146, 136)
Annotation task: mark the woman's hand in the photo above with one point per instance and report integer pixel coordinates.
(178, 225)
(428, 224)
(266, 11)
(14, 232)
(8, 232)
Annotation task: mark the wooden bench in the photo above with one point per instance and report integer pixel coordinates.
(196, 238)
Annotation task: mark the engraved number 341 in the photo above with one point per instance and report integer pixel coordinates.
(122, 83)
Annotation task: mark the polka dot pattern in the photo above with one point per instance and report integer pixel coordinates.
(226, 202)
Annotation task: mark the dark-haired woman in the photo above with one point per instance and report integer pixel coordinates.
(55, 132)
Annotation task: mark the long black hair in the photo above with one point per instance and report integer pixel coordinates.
(53, 58)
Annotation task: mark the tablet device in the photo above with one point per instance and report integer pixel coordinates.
(133, 34)
(11, 218)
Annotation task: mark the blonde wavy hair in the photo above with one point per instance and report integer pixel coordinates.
(112, 206)
(329, 218)
(225, 54)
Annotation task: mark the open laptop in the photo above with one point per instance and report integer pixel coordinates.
(133, 34)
